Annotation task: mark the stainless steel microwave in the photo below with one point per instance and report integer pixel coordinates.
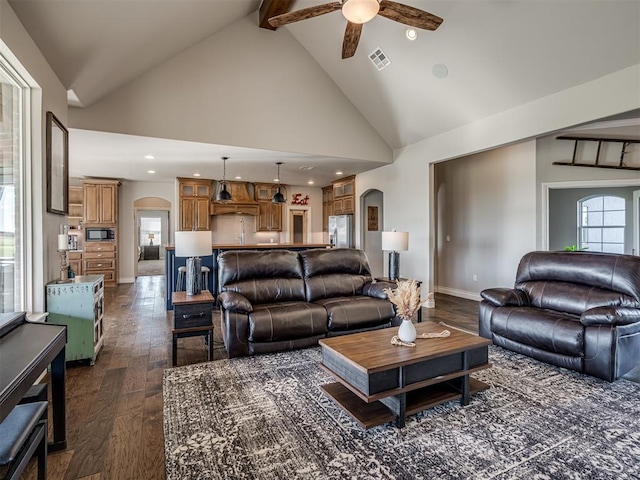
(99, 234)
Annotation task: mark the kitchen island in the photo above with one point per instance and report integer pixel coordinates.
(172, 263)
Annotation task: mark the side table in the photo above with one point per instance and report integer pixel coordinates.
(192, 316)
(386, 279)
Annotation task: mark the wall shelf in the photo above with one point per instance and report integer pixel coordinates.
(600, 140)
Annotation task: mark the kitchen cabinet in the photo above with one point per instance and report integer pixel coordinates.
(79, 305)
(100, 202)
(195, 197)
(269, 218)
(100, 258)
(76, 212)
(344, 195)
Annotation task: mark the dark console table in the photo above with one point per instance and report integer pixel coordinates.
(151, 252)
(26, 350)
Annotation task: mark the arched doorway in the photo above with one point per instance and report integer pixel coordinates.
(371, 229)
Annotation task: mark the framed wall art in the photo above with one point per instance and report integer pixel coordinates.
(57, 166)
(372, 219)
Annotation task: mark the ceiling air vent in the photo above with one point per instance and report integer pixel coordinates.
(379, 58)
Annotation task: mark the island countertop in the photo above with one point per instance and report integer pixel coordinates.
(261, 246)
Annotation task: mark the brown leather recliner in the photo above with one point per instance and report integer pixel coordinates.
(278, 299)
(577, 310)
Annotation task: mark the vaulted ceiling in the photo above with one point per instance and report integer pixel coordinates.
(487, 57)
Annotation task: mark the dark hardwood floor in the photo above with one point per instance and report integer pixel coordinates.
(114, 408)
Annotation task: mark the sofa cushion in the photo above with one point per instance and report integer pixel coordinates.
(348, 313)
(286, 321)
(573, 298)
(544, 329)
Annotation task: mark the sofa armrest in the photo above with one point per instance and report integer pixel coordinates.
(235, 302)
(610, 316)
(502, 297)
(377, 289)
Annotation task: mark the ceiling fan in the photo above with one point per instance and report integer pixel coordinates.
(358, 12)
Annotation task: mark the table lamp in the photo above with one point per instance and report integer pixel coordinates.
(151, 237)
(193, 245)
(393, 242)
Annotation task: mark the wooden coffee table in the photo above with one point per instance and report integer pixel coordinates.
(379, 382)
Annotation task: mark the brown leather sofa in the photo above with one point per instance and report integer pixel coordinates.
(577, 310)
(278, 299)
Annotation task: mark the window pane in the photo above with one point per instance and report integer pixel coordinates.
(614, 218)
(612, 248)
(11, 252)
(594, 219)
(592, 247)
(593, 235)
(595, 203)
(613, 203)
(613, 235)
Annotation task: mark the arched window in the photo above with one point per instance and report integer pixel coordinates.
(601, 222)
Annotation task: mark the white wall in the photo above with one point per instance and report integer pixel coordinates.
(486, 211)
(48, 94)
(406, 183)
(243, 86)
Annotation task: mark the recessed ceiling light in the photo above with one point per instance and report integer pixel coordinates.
(151, 171)
(338, 173)
(439, 70)
(411, 34)
(238, 178)
(276, 179)
(149, 157)
(196, 174)
(310, 182)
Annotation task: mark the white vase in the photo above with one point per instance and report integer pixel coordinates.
(406, 331)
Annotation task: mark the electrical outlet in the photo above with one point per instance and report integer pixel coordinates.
(475, 278)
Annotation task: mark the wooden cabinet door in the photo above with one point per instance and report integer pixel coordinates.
(202, 216)
(91, 203)
(276, 217)
(187, 213)
(337, 206)
(263, 220)
(347, 204)
(108, 203)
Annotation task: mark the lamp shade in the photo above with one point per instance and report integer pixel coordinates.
(193, 244)
(395, 241)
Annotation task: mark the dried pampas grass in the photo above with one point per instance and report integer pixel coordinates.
(406, 298)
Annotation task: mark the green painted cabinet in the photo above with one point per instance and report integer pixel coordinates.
(79, 304)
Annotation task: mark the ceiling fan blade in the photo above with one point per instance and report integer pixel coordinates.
(351, 39)
(409, 15)
(304, 13)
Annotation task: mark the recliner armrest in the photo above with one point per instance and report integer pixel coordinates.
(235, 302)
(377, 289)
(502, 297)
(610, 316)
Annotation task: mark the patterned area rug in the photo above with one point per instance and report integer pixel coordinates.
(265, 418)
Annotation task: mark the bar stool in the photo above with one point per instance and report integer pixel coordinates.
(23, 434)
(182, 273)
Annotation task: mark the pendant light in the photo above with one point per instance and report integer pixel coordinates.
(278, 197)
(224, 195)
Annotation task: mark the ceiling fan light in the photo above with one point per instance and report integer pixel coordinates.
(360, 11)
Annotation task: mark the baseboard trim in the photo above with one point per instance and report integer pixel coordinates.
(459, 293)
(127, 280)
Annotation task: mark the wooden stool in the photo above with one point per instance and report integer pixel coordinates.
(23, 433)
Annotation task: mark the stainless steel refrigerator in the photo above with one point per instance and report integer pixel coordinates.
(341, 231)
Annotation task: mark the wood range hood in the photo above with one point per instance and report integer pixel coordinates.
(241, 203)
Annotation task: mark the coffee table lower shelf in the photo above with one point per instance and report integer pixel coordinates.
(369, 415)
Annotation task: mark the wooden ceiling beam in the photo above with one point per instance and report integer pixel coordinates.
(271, 8)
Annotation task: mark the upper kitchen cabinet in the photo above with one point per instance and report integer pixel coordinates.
(100, 202)
(344, 191)
(195, 196)
(270, 217)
